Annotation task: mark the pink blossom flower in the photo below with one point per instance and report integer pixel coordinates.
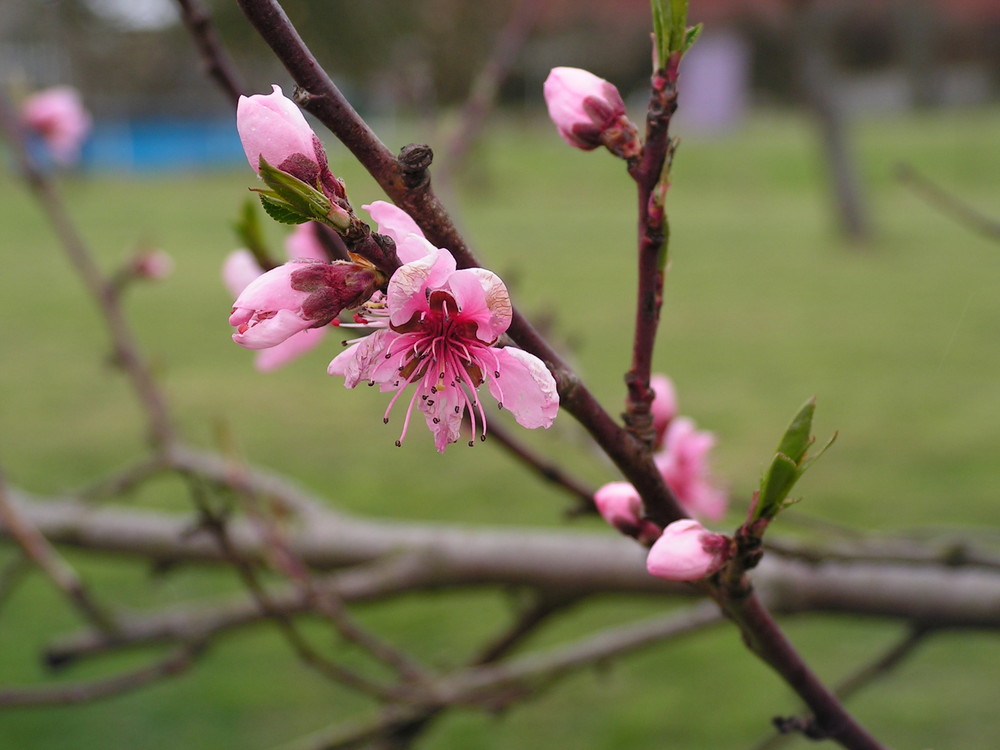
(687, 551)
(240, 268)
(437, 329)
(664, 406)
(272, 127)
(684, 466)
(589, 112)
(58, 116)
(620, 505)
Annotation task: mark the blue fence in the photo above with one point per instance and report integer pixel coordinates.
(159, 145)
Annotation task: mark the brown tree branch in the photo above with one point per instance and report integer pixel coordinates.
(450, 556)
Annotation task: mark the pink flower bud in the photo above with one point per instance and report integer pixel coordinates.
(589, 112)
(687, 551)
(296, 296)
(154, 265)
(271, 126)
(664, 406)
(58, 116)
(620, 505)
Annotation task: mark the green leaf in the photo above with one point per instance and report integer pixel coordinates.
(776, 484)
(790, 462)
(661, 33)
(678, 24)
(280, 211)
(692, 36)
(796, 439)
(299, 196)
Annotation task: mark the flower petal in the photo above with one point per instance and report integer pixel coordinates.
(406, 293)
(483, 299)
(525, 387)
(358, 361)
(261, 334)
(443, 411)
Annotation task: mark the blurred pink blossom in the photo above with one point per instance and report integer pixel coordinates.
(437, 329)
(620, 505)
(589, 112)
(58, 116)
(154, 265)
(687, 551)
(664, 406)
(683, 462)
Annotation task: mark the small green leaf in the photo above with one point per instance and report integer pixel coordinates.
(776, 484)
(661, 33)
(790, 462)
(280, 211)
(796, 439)
(299, 196)
(678, 24)
(692, 36)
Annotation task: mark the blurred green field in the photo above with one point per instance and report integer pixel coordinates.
(765, 306)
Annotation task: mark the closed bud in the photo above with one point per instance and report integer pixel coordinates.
(687, 551)
(297, 296)
(589, 112)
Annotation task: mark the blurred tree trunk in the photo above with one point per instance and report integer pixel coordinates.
(811, 27)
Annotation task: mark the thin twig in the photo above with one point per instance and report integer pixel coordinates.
(216, 526)
(217, 64)
(211, 619)
(948, 203)
(84, 692)
(495, 684)
(401, 735)
(323, 599)
(543, 467)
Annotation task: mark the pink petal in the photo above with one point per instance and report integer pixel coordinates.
(396, 223)
(238, 270)
(406, 293)
(664, 406)
(482, 297)
(448, 427)
(525, 387)
(272, 331)
(356, 362)
(292, 347)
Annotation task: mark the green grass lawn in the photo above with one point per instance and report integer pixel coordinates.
(764, 308)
